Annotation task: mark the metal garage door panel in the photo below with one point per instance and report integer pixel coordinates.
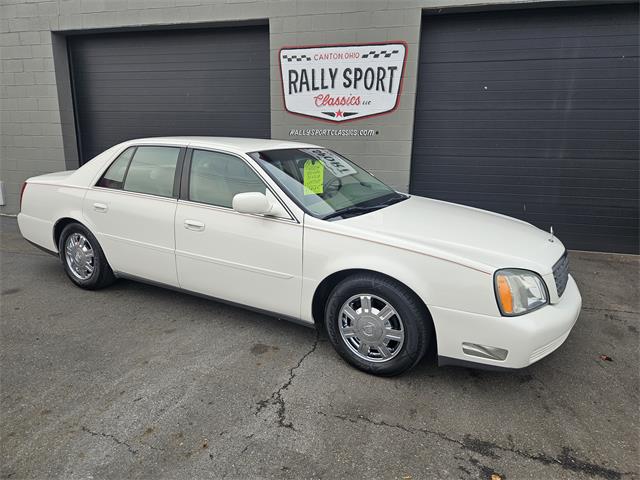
(534, 114)
(211, 81)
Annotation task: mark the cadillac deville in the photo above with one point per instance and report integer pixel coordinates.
(300, 232)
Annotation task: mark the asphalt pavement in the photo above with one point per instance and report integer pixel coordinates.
(139, 382)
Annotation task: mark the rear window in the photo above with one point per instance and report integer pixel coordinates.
(114, 176)
(145, 169)
(152, 170)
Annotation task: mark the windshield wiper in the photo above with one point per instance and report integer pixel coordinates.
(399, 198)
(353, 209)
(363, 209)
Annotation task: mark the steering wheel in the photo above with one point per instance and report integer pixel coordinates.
(332, 187)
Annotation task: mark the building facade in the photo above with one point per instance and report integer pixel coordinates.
(527, 109)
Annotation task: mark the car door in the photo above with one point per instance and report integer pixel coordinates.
(253, 260)
(131, 211)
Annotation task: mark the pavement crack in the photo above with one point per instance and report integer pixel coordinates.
(595, 309)
(151, 447)
(277, 399)
(132, 450)
(565, 460)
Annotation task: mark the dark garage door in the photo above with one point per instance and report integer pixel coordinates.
(173, 82)
(534, 114)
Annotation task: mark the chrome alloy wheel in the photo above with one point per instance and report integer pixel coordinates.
(371, 328)
(78, 254)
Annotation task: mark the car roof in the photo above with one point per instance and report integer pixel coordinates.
(231, 144)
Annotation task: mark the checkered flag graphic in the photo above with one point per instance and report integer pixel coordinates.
(296, 58)
(382, 53)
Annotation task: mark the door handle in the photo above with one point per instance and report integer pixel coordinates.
(100, 207)
(194, 225)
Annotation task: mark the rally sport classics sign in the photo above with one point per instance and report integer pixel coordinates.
(342, 82)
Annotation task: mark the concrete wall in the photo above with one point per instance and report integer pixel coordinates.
(32, 117)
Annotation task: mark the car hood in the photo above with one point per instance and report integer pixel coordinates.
(467, 235)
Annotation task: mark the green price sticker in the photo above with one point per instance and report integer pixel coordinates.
(313, 177)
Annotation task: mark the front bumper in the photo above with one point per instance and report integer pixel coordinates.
(528, 338)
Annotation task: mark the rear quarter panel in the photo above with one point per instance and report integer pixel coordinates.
(49, 198)
(43, 205)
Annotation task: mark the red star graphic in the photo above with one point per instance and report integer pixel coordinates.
(339, 113)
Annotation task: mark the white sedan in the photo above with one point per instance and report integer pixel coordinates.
(299, 231)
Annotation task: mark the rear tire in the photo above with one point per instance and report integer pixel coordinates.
(83, 259)
(377, 324)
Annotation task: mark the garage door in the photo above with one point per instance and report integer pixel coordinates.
(534, 114)
(171, 82)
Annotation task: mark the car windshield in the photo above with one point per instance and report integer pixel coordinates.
(326, 184)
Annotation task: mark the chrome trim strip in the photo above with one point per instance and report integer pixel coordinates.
(137, 243)
(239, 266)
(482, 351)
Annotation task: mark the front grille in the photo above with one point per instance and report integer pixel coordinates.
(561, 273)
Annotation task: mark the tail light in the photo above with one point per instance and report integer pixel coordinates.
(24, 185)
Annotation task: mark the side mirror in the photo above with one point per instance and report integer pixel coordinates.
(257, 203)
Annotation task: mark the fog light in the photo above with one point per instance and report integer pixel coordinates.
(484, 351)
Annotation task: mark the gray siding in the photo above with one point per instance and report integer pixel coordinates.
(534, 114)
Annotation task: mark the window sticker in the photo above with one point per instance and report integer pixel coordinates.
(336, 165)
(313, 177)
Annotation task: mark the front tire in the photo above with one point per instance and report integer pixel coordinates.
(83, 259)
(377, 324)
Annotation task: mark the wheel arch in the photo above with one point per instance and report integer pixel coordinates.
(327, 285)
(59, 225)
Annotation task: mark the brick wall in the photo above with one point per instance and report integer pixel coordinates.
(31, 133)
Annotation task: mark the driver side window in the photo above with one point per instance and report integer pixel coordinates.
(215, 178)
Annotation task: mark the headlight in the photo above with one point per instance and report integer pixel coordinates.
(519, 291)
